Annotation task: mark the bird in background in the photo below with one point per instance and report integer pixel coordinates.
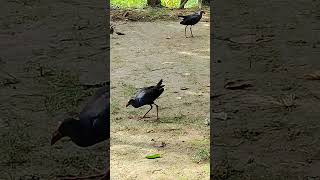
(147, 96)
(191, 20)
(112, 30)
(91, 128)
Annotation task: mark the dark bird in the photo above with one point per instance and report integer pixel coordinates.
(147, 96)
(93, 124)
(111, 29)
(191, 20)
(120, 33)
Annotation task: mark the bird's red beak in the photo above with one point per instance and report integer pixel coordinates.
(56, 136)
(128, 104)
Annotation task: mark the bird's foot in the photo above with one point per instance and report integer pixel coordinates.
(103, 175)
(144, 117)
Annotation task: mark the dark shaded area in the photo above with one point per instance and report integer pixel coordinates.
(154, 3)
(53, 56)
(272, 129)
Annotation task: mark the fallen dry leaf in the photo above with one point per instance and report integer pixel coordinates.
(244, 39)
(313, 76)
(220, 115)
(238, 84)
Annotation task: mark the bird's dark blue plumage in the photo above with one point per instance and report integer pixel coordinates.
(191, 20)
(93, 124)
(147, 96)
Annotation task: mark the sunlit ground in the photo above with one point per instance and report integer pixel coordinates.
(143, 3)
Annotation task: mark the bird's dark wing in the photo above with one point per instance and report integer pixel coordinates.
(141, 92)
(97, 108)
(148, 95)
(191, 19)
(182, 17)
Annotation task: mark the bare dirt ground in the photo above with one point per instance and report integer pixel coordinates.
(64, 40)
(50, 49)
(148, 52)
(272, 129)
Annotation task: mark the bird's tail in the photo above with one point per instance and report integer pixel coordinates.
(159, 84)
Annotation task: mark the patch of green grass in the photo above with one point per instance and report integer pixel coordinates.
(128, 90)
(143, 3)
(129, 3)
(135, 112)
(64, 92)
(182, 178)
(202, 154)
(148, 67)
(176, 3)
(207, 168)
(200, 143)
(202, 150)
(181, 118)
(17, 146)
(115, 107)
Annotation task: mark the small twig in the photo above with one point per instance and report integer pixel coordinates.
(66, 39)
(93, 168)
(94, 37)
(41, 71)
(224, 39)
(156, 170)
(9, 74)
(236, 145)
(215, 96)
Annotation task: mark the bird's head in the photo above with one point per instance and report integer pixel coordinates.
(201, 12)
(65, 128)
(130, 102)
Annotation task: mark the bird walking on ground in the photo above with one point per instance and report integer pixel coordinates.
(111, 29)
(147, 96)
(91, 128)
(191, 20)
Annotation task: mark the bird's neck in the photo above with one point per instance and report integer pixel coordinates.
(77, 134)
(84, 136)
(136, 103)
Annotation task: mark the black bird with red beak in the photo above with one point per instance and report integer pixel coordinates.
(93, 124)
(147, 96)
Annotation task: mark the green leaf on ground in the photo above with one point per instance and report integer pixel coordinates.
(153, 156)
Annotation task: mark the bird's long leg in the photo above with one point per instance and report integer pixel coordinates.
(157, 110)
(191, 31)
(147, 111)
(185, 31)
